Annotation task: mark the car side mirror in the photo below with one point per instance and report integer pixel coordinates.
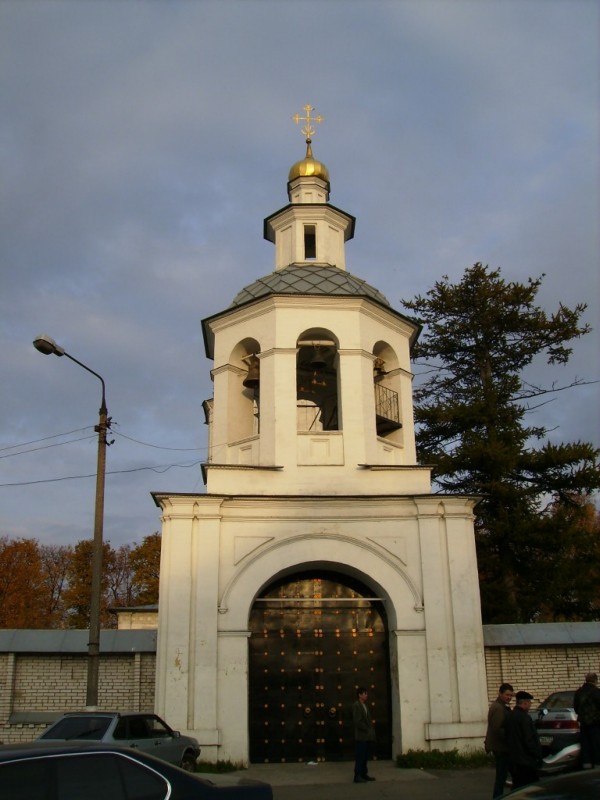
(542, 712)
(176, 734)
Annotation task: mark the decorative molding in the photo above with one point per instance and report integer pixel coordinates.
(395, 545)
(244, 545)
(320, 537)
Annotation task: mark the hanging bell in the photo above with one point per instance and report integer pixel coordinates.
(318, 361)
(379, 366)
(252, 379)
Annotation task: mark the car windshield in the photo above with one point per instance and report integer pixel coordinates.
(558, 700)
(92, 728)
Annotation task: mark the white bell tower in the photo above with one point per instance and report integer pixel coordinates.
(312, 377)
(312, 471)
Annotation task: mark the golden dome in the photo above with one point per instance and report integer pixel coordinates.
(309, 167)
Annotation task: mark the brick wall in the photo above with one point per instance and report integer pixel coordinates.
(540, 670)
(35, 687)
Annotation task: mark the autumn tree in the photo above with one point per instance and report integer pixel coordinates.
(48, 586)
(145, 564)
(567, 596)
(129, 577)
(76, 596)
(22, 599)
(119, 576)
(480, 336)
(55, 561)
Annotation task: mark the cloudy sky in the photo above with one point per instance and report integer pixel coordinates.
(142, 144)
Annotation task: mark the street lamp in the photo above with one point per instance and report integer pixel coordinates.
(47, 346)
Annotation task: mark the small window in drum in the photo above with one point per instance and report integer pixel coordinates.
(310, 242)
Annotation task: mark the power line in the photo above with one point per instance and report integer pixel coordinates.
(157, 446)
(79, 430)
(45, 439)
(48, 446)
(159, 469)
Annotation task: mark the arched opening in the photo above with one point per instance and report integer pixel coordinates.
(387, 395)
(317, 382)
(244, 390)
(316, 636)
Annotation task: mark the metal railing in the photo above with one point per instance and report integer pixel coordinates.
(386, 404)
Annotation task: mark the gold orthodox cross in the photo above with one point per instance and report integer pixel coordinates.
(308, 129)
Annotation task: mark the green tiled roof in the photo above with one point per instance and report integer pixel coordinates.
(309, 280)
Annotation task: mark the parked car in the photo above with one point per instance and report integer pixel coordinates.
(91, 771)
(145, 732)
(584, 785)
(558, 730)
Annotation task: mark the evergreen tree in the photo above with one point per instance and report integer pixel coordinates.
(480, 335)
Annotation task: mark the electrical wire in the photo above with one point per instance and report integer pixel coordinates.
(48, 446)
(159, 469)
(83, 438)
(157, 446)
(44, 439)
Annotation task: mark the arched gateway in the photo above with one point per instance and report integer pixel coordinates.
(314, 637)
(318, 558)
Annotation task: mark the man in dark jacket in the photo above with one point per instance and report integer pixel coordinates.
(364, 733)
(587, 708)
(525, 753)
(495, 737)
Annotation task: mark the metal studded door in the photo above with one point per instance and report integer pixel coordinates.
(314, 639)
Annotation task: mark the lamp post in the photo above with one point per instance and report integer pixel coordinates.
(47, 346)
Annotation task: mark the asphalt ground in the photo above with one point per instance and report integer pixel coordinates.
(334, 781)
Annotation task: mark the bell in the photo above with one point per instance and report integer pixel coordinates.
(318, 362)
(379, 366)
(252, 379)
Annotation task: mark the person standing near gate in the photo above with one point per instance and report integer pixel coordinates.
(364, 734)
(495, 737)
(525, 752)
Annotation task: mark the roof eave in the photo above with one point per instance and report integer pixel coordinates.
(269, 231)
(209, 338)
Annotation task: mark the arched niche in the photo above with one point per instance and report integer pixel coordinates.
(386, 379)
(317, 381)
(244, 390)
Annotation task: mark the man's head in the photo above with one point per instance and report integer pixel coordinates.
(524, 700)
(361, 693)
(591, 677)
(505, 693)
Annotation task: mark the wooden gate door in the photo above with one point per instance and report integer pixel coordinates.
(314, 639)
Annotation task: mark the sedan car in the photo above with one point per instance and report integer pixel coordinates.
(88, 771)
(145, 732)
(558, 731)
(583, 785)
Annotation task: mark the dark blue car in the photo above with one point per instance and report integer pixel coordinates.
(82, 771)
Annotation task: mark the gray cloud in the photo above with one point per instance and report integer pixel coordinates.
(143, 143)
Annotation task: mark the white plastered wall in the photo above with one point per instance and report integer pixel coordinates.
(417, 554)
(277, 323)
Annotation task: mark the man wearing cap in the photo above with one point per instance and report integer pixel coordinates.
(495, 737)
(525, 753)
